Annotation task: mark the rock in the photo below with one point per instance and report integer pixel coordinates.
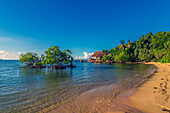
(81, 60)
(91, 60)
(108, 62)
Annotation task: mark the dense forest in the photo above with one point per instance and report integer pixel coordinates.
(52, 58)
(149, 47)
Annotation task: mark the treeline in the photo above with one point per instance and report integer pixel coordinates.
(150, 47)
(53, 57)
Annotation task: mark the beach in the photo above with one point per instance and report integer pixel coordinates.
(84, 56)
(149, 97)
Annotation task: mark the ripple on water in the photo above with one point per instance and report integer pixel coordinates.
(33, 90)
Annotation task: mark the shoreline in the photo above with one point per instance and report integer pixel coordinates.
(150, 97)
(101, 99)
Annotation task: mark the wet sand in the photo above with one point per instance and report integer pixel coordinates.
(150, 97)
(94, 101)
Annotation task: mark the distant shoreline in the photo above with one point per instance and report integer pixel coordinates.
(9, 59)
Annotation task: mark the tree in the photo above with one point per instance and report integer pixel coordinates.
(166, 58)
(159, 53)
(66, 57)
(128, 41)
(122, 42)
(29, 57)
(122, 57)
(53, 56)
(104, 51)
(71, 61)
(149, 47)
(68, 51)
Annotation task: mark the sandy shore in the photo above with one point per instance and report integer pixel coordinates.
(150, 97)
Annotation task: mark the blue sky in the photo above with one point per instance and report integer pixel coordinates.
(83, 26)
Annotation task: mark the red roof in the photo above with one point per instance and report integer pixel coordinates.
(98, 54)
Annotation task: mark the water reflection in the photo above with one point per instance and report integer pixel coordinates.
(32, 90)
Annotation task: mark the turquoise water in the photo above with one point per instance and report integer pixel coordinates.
(33, 90)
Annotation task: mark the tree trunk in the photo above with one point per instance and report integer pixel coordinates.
(71, 64)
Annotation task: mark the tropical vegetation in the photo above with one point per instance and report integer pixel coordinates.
(53, 57)
(149, 47)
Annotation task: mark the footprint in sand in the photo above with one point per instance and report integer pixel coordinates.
(162, 96)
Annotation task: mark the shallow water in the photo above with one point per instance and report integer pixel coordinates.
(32, 90)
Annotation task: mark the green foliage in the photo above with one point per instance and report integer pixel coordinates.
(122, 57)
(28, 57)
(105, 51)
(160, 53)
(37, 64)
(166, 58)
(108, 57)
(68, 51)
(53, 56)
(150, 47)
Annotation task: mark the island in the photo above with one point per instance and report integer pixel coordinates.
(52, 58)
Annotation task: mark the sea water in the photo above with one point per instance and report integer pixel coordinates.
(32, 90)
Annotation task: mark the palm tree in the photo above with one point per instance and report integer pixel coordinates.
(128, 41)
(122, 42)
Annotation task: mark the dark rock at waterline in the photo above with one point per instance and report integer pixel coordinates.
(109, 62)
(120, 62)
(81, 60)
(90, 60)
(60, 67)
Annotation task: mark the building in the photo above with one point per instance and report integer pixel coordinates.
(98, 55)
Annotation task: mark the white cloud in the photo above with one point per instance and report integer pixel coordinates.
(5, 55)
(19, 52)
(86, 56)
(10, 55)
(17, 56)
(2, 51)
